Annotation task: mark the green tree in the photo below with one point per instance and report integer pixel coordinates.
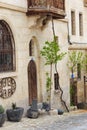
(85, 63)
(51, 53)
(75, 57)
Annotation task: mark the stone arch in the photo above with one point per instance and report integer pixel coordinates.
(8, 21)
(36, 45)
(13, 30)
(8, 50)
(36, 58)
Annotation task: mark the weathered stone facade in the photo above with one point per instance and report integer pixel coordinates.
(26, 28)
(79, 43)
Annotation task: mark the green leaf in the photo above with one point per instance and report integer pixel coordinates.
(51, 52)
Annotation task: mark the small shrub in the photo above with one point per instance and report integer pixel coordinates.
(1, 109)
(13, 105)
(46, 106)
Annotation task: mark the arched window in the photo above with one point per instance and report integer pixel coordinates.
(31, 48)
(7, 52)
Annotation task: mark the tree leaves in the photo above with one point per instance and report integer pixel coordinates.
(74, 59)
(51, 52)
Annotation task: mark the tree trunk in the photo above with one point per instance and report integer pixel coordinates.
(61, 90)
(57, 71)
(50, 84)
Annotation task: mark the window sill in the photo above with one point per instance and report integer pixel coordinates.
(8, 74)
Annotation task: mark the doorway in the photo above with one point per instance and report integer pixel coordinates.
(73, 92)
(32, 81)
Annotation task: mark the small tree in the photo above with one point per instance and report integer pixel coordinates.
(74, 59)
(51, 52)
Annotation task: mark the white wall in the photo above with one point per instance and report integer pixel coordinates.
(78, 7)
(21, 3)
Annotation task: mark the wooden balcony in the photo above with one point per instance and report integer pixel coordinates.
(55, 8)
(85, 3)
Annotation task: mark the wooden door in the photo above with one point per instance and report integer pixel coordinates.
(73, 92)
(32, 81)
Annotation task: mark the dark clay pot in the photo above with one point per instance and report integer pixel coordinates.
(60, 112)
(32, 114)
(2, 119)
(82, 105)
(15, 114)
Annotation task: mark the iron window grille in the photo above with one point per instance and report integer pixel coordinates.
(7, 51)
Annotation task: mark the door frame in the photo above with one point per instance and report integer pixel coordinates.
(32, 81)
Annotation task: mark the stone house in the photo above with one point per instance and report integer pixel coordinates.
(77, 21)
(24, 28)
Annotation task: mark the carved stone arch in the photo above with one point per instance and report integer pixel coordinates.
(36, 45)
(7, 48)
(11, 27)
(37, 60)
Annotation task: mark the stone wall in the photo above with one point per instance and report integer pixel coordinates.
(20, 3)
(24, 29)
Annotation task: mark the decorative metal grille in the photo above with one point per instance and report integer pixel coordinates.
(7, 87)
(73, 26)
(85, 3)
(6, 49)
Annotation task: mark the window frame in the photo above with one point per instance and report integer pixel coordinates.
(31, 48)
(80, 24)
(73, 23)
(7, 52)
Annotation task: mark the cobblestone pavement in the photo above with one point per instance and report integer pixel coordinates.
(76, 120)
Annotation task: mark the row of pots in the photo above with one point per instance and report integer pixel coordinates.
(15, 114)
(12, 115)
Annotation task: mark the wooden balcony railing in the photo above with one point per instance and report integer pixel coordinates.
(56, 8)
(85, 3)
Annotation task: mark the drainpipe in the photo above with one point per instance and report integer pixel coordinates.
(68, 34)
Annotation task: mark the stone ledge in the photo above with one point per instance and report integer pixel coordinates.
(13, 7)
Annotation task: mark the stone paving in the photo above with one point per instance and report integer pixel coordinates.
(75, 120)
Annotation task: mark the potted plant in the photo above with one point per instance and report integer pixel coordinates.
(15, 114)
(2, 116)
(32, 112)
(60, 112)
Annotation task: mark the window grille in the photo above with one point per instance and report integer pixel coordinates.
(80, 24)
(6, 48)
(73, 23)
